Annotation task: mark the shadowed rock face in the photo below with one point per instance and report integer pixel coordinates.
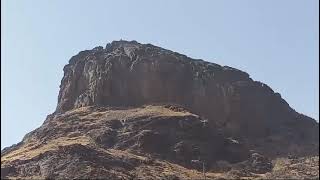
(132, 74)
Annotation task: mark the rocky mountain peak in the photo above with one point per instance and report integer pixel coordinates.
(127, 73)
(135, 111)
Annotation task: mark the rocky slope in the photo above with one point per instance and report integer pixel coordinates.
(135, 111)
(117, 142)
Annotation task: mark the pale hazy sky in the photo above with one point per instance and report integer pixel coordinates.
(275, 41)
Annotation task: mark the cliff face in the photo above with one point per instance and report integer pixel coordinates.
(132, 74)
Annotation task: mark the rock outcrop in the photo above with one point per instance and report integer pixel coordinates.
(137, 111)
(132, 74)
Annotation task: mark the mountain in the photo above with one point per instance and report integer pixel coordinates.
(135, 111)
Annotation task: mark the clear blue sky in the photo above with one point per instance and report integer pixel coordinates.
(275, 41)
